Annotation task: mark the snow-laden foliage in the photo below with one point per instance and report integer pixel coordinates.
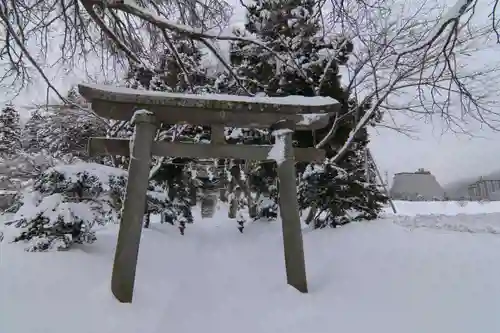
(18, 171)
(64, 204)
(307, 58)
(173, 182)
(179, 70)
(160, 199)
(10, 131)
(339, 193)
(303, 61)
(62, 129)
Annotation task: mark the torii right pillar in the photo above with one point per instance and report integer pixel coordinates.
(289, 209)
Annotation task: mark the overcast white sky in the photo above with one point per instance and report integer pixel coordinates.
(449, 156)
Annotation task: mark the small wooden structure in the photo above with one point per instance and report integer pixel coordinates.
(147, 110)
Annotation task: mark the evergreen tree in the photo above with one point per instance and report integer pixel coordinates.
(340, 192)
(65, 203)
(62, 129)
(10, 131)
(179, 70)
(307, 64)
(171, 177)
(30, 141)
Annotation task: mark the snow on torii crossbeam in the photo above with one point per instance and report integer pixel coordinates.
(214, 109)
(148, 109)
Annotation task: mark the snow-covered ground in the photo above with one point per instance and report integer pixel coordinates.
(450, 208)
(381, 276)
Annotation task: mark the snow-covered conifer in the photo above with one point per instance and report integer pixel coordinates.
(63, 129)
(302, 60)
(10, 131)
(64, 204)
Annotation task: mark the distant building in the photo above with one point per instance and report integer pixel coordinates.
(416, 186)
(484, 189)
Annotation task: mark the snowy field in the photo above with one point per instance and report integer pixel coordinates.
(449, 208)
(432, 268)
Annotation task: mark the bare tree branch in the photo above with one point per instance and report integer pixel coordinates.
(89, 30)
(404, 61)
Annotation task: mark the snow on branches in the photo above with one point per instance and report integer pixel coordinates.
(10, 131)
(64, 204)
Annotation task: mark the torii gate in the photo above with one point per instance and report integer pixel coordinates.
(148, 109)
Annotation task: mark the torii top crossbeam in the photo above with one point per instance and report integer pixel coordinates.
(212, 109)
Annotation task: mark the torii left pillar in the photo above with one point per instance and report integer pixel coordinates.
(129, 236)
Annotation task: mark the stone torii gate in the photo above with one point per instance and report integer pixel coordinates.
(148, 109)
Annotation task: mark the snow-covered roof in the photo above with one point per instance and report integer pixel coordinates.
(493, 177)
